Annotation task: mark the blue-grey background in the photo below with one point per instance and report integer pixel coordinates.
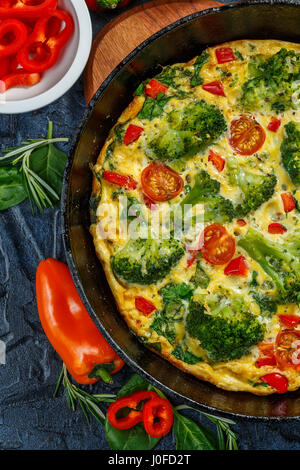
(29, 417)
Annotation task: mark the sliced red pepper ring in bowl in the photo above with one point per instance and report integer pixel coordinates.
(22, 9)
(18, 79)
(42, 37)
(158, 417)
(124, 413)
(13, 34)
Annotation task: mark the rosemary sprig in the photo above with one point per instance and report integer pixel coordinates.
(39, 192)
(226, 437)
(89, 403)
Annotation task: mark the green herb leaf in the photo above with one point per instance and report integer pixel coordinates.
(153, 108)
(134, 384)
(200, 61)
(134, 438)
(192, 436)
(12, 191)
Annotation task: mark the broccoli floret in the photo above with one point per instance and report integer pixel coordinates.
(145, 261)
(290, 151)
(271, 82)
(278, 260)
(206, 191)
(256, 188)
(227, 331)
(185, 132)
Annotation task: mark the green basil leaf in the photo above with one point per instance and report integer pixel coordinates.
(192, 436)
(134, 438)
(49, 164)
(12, 191)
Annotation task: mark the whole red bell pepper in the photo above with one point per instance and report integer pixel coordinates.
(43, 37)
(20, 9)
(69, 328)
(16, 31)
(130, 402)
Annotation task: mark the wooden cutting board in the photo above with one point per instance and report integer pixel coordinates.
(123, 34)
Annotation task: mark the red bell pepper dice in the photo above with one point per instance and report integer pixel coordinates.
(277, 381)
(158, 417)
(276, 228)
(132, 402)
(153, 88)
(290, 321)
(216, 160)
(237, 267)
(288, 202)
(52, 44)
(241, 222)
(20, 9)
(265, 361)
(13, 34)
(144, 305)
(121, 180)
(274, 124)
(132, 134)
(19, 79)
(216, 88)
(224, 54)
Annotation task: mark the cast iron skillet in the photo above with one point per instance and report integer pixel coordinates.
(178, 42)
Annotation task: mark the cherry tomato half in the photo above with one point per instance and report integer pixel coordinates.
(161, 183)
(218, 245)
(287, 345)
(246, 135)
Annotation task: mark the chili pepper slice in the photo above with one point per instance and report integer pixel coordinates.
(237, 267)
(158, 417)
(13, 34)
(153, 88)
(288, 202)
(216, 160)
(52, 45)
(121, 180)
(69, 327)
(18, 79)
(276, 228)
(20, 9)
(132, 134)
(224, 54)
(274, 124)
(277, 381)
(144, 305)
(216, 88)
(132, 403)
(290, 321)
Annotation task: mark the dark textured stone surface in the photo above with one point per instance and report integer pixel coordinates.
(29, 417)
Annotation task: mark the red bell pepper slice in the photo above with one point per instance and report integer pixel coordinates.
(224, 54)
(237, 267)
(4, 66)
(265, 361)
(13, 34)
(132, 134)
(290, 321)
(217, 160)
(132, 402)
(41, 37)
(20, 9)
(241, 222)
(274, 124)
(276, 228)
(216, 88)
(266, 348)
(144, 305)
(121, 180)
(19, 79)
(158, 417)
(153, 88)
(288, 202)
(277, 381)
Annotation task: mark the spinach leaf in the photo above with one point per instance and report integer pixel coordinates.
(153, 108)
(134, 438)
(200, 61)
(134, 384)
(185, 356)
(12, 191)
(192, 436)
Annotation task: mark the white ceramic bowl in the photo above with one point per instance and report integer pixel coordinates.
(56, 81)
